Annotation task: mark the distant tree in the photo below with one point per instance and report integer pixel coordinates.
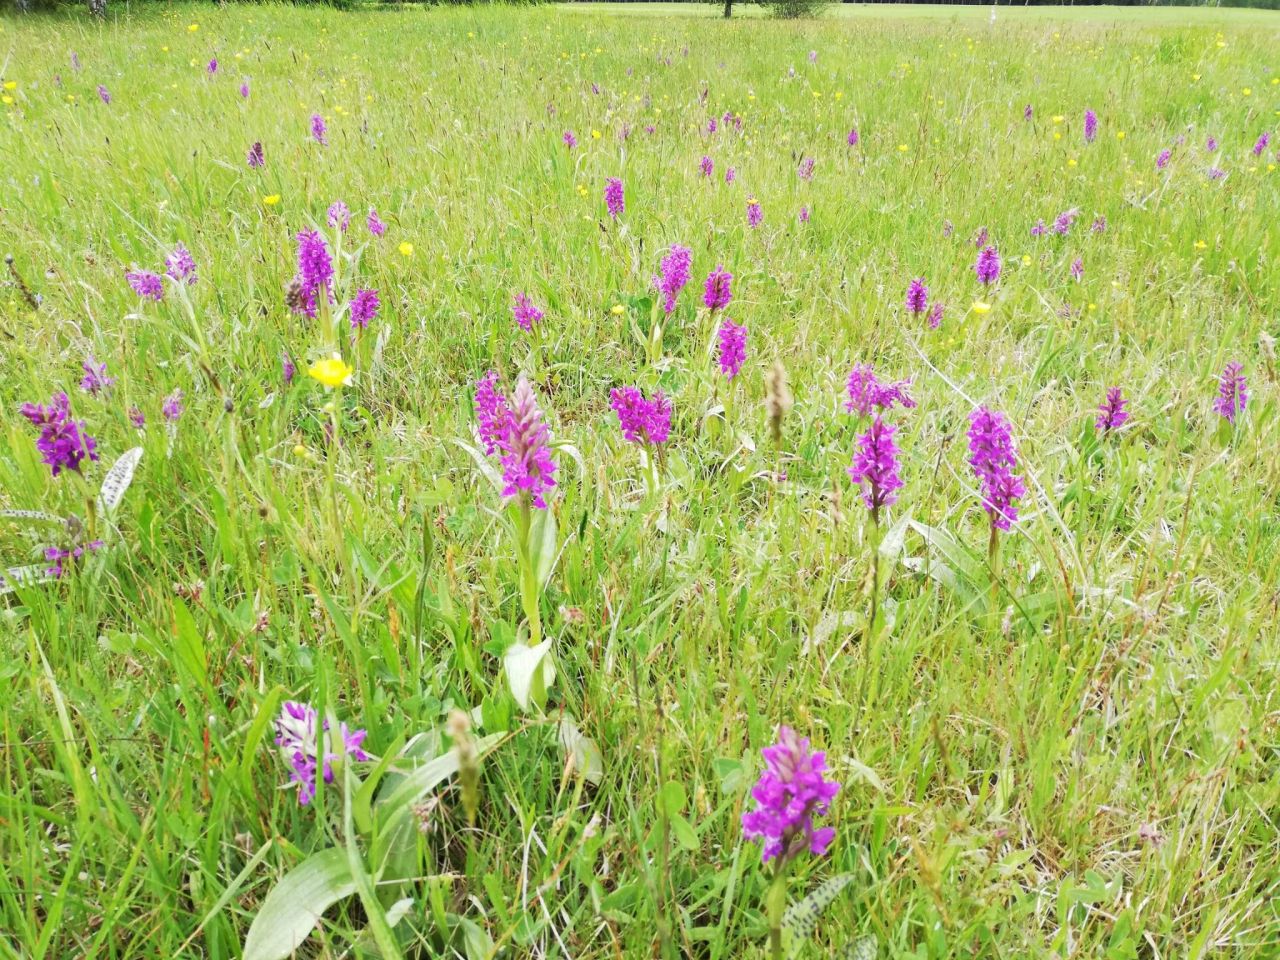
(98, 8)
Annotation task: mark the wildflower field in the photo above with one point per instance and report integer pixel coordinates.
(542, 483)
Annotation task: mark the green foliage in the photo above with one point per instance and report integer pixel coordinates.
(1070, 755)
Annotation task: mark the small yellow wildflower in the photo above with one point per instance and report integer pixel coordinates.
(1247, 91)
(1071, 162)
(332, 371)
(1026, 260)
(1195, 78)
(617, 309)
(299, 450)
(981, 308)
(271, 199)
(1200, 244)
(1119, 134)
(406, 249)
(11, 84)
(596, 134)
(6, 100)
(192, 28)
(1059, 118)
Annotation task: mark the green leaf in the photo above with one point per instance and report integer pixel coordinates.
(530, 673)
(117, 481)
(801, 918)
(295, 905)
(587, 759)
(253, 737)
(864, 948)
(484, 463)
(543, 549)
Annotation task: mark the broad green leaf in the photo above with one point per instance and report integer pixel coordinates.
(801, 918)
(295, 905)
(484, 463)
(587, 759)
(15, 577)
(543, 549)
(530, 673)
(117, 480)
(253, 737)
(31, 515)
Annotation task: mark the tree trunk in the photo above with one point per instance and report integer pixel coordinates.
(728, 9)
(98, 8)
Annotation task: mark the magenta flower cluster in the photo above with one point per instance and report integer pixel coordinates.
(63, 442)
(791, 792)
(875, 467)
(1112, 413)
(642, 420)
(867, 393)
(987, 266)
(1233, 392)
(675, 274)
(364, 308)
(614, 199)
(315, 272)
(299, 733)
(719, 289)
(731, 348)
(993, 459)
(514, 430)
(524, 312)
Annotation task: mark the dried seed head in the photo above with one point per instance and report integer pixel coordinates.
(458, 726)
(294, 299)
(777, 400)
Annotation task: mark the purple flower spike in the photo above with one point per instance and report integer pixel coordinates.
(867, 393)
(719, 290)
(524, 312)
(95, 378)
(63, 443)
(790, 793)
(805, 172)
(1112, 413)
(993, 459)
(643, 421)
(491, 412)
(675, 274)
(754, 214)
(255, 157)
(338, 216)
(1162, 159)
(319, 130)
(1090, 126)
(706, 165)
(375, 224)
(364, 308)
(315, 272)
(732, 340)
(1233, 392)
(1261, 144)
(852, 138)
(987, 266)
(935, 316)
(875, 467)
(172, 406)
(614, 199)
(146, 284)
(180, 266)
(301, 738)
(917, 296)
(569, 139)
(104, 94)
(527, 467)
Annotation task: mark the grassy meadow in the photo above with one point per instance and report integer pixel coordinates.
(1056, 740)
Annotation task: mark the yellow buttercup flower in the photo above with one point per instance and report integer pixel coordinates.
(903, 148)
(1119, 134)
(406, 249)
(1247, 91)
(271, 199)
(1026, 260)
(617, 309)
(11, 84)
(332, 371)
(1200, 245)
(192, 28)
(1195, 77)
(1059, 118)
(596, 134)
(980, 308)
(6, 100)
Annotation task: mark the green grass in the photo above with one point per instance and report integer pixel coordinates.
(1084, 767)
(1005, 13)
